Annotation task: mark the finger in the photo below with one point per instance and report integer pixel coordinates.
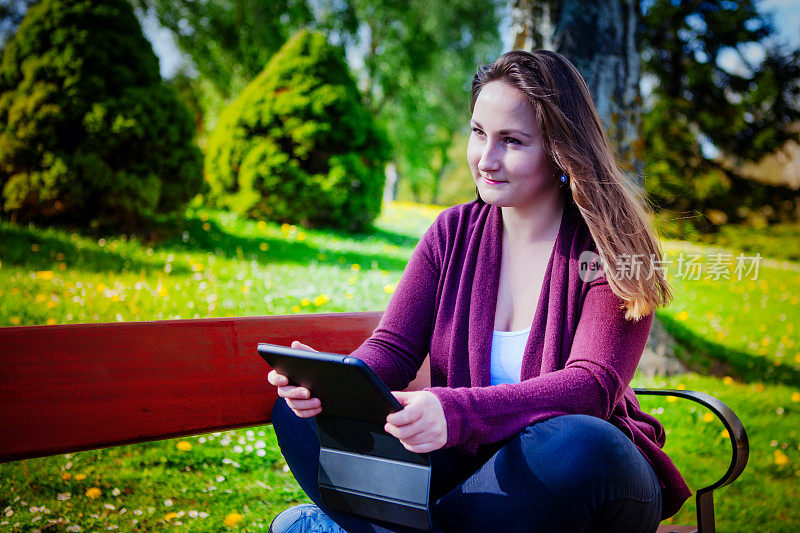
(405, 432)
(408, 415)
(307, 413)
(297, 345)
(277, 380)
(290, 391)
(304, 405)
(420, 448)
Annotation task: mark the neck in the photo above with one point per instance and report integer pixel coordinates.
(536, 222)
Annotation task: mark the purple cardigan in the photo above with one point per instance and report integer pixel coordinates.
(580, 356)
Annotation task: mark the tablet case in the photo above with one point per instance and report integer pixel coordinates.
(362, 469)
(365, 471)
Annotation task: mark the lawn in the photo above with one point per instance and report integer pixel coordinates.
(739, 334)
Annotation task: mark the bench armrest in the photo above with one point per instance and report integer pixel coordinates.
(739, 444)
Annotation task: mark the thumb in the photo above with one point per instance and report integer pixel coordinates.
(403, 397)
(297, 345)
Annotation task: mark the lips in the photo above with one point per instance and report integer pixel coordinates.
(493, 182)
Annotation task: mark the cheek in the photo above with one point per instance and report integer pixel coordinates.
(473, 154)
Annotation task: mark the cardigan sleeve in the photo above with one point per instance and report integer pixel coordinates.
(400, 343)
(605, 352)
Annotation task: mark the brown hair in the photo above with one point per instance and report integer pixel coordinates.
(613, 206)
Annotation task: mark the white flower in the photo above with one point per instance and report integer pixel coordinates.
(168, 503)
(115, 492)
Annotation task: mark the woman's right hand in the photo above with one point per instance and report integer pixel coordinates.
(298, 399)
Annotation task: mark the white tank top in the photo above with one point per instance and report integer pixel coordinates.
(506, 355)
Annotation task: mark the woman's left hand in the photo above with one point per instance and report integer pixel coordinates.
(420, 425)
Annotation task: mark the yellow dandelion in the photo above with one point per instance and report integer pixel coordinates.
(263, 247)
(62, 267)
(80, 477)
(348, 296)
(708, 417)
(305, 301)
(727, 380)
(206, 226)
(40, 298)
(301, 236)
(672, 399)
(233, 519)
(285, 228)
(184, 445)
(44, 274)
(101, 287)
(683, 315)
(796, 396)
(245, 289)
(66, 476)
(295, 309)
(797, 358)
(14, 320)
(52, 321)
(93, 493)
(322, 299)
(759, 387)
(389, 288)
(34, 247)
(355, 268)
(781, 458)
(203, 217)
(60, 256)
(765, 341)
(680, 386)
(170, 516)
(724, 434)
(261, 225)
(163, 291)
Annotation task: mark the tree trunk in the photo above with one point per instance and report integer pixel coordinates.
(600, 39)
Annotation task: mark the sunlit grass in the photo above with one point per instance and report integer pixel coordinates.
(222, 265)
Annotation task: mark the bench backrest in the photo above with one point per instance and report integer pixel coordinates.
(77, 387)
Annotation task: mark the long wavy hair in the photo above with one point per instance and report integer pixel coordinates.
(613, 207)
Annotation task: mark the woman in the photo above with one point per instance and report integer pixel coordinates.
(530, 417)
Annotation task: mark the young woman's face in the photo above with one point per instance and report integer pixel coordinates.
(505, 152)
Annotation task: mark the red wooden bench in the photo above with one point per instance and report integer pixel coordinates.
(79, 387)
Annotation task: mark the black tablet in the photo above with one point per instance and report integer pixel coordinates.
(345, 385)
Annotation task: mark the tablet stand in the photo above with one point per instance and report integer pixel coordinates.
(365, 471)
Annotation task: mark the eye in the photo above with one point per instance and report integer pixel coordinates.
(477, 131)
(512, 140)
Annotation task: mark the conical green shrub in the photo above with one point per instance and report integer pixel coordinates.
(298, 145)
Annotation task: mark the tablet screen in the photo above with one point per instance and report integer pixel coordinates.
(346, 386)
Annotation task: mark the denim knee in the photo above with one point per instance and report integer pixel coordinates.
(583, 452)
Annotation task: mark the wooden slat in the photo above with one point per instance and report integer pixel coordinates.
(77, 387)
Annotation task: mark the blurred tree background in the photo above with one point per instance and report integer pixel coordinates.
(699, 97)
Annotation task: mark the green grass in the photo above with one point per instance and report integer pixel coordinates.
(739, 335)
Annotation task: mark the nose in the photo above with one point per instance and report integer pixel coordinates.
(490, 158)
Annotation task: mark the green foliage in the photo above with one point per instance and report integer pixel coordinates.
(708, 93)
(88, 133)
(298, 145)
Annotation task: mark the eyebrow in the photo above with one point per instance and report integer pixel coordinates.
(504, 132)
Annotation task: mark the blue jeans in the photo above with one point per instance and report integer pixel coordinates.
(569, 473)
